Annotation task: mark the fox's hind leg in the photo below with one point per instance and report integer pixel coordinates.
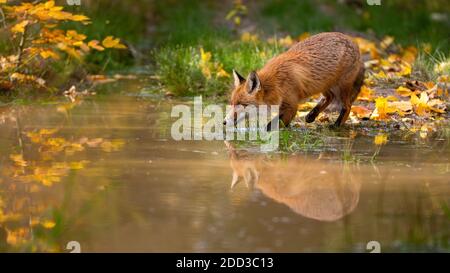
(343, 116)
(348, 95)
(323, 103)
(345, 97)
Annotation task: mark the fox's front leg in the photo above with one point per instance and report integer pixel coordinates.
(286, 115)
(288, 111)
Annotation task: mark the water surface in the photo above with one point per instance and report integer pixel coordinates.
(106, 173)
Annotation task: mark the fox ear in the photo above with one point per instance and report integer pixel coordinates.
(253, 83)
(238, 79)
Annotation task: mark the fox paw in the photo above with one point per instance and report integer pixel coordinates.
(310, 117)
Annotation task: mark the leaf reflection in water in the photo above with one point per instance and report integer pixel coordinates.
(42, 159)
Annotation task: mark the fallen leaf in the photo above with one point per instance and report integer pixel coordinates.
(361, 112)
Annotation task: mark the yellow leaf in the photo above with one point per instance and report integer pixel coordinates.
(306, 106)
(18, 160)
(248, 37)
(49, 54)
(365, 94)
(361, 112)
(237, 20)
(95, 45)
(380, 139)
(205, 56)
(48, 131)
(365, 46)
(304, 36)
(420, 104)
(404, 92)
(401, 107)
(221, 73)
(79, 18)
(78, 165)
(409, 54)
(427, 47)
(381, 109)
(48, 224)
(110, 146)
(70, 50)
(405, 70)
(380, 75)
(111, 42)
(391, 98)
(437, 106)
(387, 41)
(49, 4)
(72, 34)
(286, 41)
(20, 27)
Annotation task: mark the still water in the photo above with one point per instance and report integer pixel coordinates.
(105, 172)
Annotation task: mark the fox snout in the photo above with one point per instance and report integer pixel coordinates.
(230, 118)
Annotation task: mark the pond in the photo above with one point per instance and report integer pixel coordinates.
(105, 172)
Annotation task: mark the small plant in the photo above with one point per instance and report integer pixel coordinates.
(36, 40)
(237, 12)
(205, 70)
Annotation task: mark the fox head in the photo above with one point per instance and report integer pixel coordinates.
(246, 92)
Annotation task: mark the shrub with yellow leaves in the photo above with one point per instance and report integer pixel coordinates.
(37, 40)
(210, 68)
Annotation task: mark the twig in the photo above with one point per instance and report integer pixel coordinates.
(21, 46)
(3, 17)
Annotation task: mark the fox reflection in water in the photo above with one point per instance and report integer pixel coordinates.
(314, 188)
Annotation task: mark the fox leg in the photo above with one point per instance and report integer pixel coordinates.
(346, 101)
(353, 89)
(343, 116)
(323, 103)
(287, 114)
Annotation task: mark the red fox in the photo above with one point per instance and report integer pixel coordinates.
(327, 63)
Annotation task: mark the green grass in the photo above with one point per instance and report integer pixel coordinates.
(294, 17)
(410, 22)
(180, 71)
(169, 34)
(183, 27)
(290, 141)
(119, 19)
(188, 22)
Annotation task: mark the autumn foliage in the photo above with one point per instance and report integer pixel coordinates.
(37, 39)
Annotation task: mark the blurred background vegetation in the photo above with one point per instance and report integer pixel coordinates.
(169, 35)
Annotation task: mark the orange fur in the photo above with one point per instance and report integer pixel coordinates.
(326, 63)
(317, 189)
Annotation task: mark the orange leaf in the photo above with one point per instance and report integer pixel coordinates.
(111, 42)
(361, 112)
(95, 45)
(20, 27)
